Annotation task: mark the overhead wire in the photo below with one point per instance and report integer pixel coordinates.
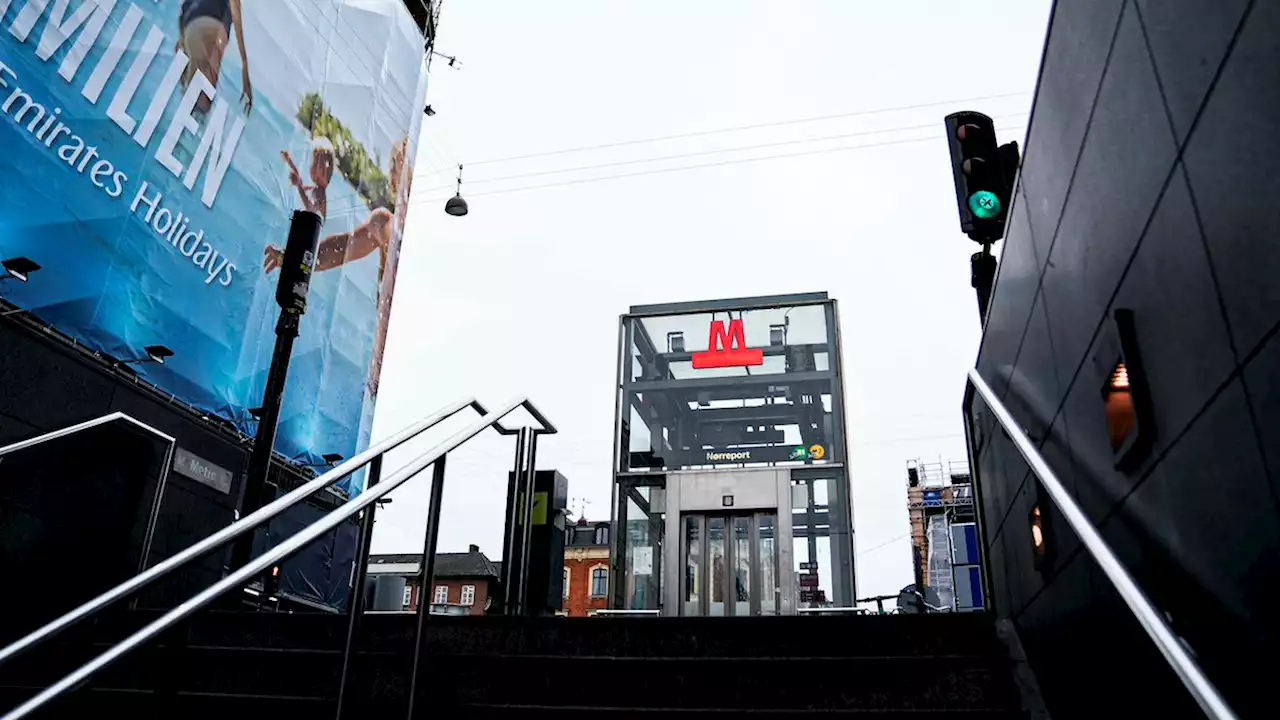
(697, 153)
(657, 171)
(739, 128)
(886, 543)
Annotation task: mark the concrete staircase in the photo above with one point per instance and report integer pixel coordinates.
(262, 665)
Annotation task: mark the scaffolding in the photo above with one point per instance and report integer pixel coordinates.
(939, 495)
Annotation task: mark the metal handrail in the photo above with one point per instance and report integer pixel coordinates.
(226, 534)
(1169, 644)
(260, 563)
(171, 445)
(73, 429)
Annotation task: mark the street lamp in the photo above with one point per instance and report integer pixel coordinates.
(18, 268)
(456, 206)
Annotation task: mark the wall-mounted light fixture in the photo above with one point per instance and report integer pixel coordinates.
(1125, 399)
(155, 354)
(18, 268)
(1039, 543)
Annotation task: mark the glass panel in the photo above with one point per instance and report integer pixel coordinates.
(641, 548)
(716, 564)
(742, 565)
(769, 590)
(673, 419)
(693, 566)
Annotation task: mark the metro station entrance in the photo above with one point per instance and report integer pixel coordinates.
(731, 496)
(731, 564)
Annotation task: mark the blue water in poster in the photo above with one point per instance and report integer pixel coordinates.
(151, 154)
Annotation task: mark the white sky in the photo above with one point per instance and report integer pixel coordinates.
(522, 296)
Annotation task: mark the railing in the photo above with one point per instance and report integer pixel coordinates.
(241, 576)
(170, 445)
(1200, 687)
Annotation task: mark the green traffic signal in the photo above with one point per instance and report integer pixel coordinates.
(984, 205)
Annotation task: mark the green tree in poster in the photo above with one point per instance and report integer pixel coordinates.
(354, 162)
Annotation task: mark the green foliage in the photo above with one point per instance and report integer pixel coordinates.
(352, 159)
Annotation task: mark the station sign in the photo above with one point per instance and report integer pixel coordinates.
(748, 455)
(727, 347)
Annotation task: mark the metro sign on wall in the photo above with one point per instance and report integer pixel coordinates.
(726, 347)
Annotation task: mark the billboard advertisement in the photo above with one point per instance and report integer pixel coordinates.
(151, 155)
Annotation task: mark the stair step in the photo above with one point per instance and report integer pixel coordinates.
(562, 712)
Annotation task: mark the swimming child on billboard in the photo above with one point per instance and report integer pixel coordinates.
(314, 197)
(381, 231)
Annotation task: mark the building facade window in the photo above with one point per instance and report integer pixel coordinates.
(442, 595)
(408, 595)
(599, 581)
(565, 587)
(468, 594)
(602, 535)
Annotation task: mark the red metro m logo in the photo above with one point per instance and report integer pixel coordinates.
(726, 348)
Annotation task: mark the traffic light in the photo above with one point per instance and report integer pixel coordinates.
(983, 173)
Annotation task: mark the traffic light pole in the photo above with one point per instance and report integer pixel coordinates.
(296, 265)
(982, 275)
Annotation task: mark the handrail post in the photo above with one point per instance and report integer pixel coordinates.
(526, 541)
(510, 571)
(355, 596)
(425, 577)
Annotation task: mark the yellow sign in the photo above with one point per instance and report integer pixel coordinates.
(540, 500)
(817, 452)
(540, 508)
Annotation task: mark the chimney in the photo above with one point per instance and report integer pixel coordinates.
(473, 548)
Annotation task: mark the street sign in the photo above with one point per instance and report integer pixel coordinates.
(809, 565)
(809, 581)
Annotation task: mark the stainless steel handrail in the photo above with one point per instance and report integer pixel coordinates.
(73, 429)
(1169, 644)
(162, 480)
(230, 532)
(260, 563)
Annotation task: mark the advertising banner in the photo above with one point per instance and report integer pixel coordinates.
(151, 154)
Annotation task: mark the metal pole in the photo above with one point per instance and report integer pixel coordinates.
(509, 544)
(255, 482)
(425, 576)
(526, 541)
(982, 274)
(355, 596)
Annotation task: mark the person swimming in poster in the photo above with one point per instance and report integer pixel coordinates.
(204, 28)
(382, 231)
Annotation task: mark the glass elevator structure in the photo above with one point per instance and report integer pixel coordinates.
(731, 495)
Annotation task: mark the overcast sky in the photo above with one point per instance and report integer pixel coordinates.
(523, 295)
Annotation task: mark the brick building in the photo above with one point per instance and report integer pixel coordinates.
(466, 580)
(586, 568)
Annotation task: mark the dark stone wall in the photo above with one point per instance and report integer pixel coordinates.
(1150, 182)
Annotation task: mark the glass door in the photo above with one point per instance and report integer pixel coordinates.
(730, 565)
